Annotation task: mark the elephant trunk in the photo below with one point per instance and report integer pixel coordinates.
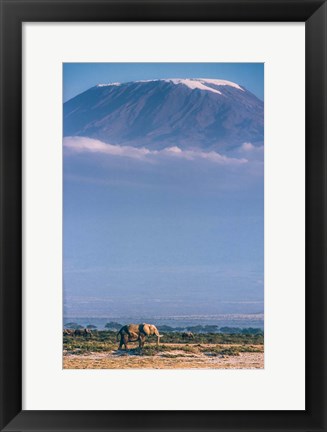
(158, 337)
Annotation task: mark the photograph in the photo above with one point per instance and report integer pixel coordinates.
(163, 215)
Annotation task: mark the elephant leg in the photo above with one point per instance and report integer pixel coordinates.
(141, 341)
(125, 341)
(133, 337)
(121, 343)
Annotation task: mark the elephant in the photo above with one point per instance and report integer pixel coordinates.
(68, 332)
(136, 333)
(87, 332)
(188, 335)
(83, 332)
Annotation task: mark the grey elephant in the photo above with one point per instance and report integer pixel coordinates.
(68, 332)
(136, 333)
(188, 335)
(83, 332)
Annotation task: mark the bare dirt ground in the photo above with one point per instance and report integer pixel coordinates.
(169, 359)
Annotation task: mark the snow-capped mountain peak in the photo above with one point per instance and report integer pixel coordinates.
(188, 113)
(204, 83)
(109, 84)
(220, 82)
(192, 83)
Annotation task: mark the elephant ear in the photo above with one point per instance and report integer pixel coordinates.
(146, 329)
(152, 329)
(155, 331)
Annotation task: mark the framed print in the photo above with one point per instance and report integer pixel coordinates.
(163, 215)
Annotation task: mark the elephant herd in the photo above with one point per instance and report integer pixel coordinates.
(128, 333)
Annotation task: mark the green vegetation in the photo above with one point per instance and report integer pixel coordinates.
(215, 338)
(210, 344)
(80, 345)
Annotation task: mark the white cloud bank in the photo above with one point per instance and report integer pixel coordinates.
(247, 147)
(89, 145)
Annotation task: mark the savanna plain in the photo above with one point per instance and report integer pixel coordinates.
(176, 351)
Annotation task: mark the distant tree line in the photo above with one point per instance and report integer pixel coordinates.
(115, 326)
(76, 326)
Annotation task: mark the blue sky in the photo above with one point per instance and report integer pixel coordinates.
(78, 77)
(162, 236)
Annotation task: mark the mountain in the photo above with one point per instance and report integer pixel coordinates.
(207, 114)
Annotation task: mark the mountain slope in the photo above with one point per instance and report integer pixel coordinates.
(188, 113)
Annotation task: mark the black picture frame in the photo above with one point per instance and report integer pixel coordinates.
(13, 14)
